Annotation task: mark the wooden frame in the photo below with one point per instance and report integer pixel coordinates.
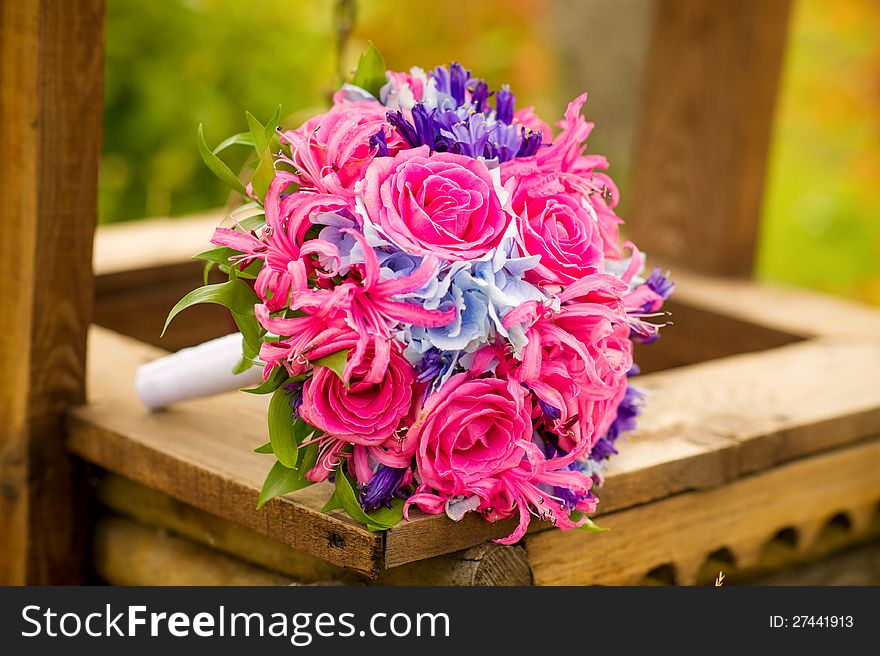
(769, 388)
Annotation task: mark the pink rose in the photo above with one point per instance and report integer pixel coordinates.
(332, 149)
(445, 204)
(576, 361)
(556, 226)
(470, 431)
(365, 413)
(563, 161)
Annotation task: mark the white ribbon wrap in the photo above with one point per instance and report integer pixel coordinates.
(192, 373)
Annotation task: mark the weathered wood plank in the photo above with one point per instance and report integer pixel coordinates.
(485, 564)
(710, 423)
(202, 452)
(153, 508)
(128, 553)
(705, 425)
(153, 243)
(742, 516)
(800, 313)
(710, 89)
(51, 84)
(143, 268)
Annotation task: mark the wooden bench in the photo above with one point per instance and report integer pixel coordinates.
(756, 451)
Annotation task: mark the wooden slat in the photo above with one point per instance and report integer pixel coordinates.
(742, 516)
(705, 425)
(711, 80)
(800, 313)
(152, 243)
(143, 268)
(202, 452)
(51, 77)
(485, 564)
(127, 553)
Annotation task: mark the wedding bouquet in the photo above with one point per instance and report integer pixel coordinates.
(433, 285)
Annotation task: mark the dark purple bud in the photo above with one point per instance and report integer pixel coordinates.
(424, 125)
(480, 95)
(660, 284)
(550, 411)
(378, 142)
(430, 366)
(530, 143)
(381, 489)
(624, 422)
(504, 104)
(458, 79)
(295, 391)
(404, 128)
(602, 449)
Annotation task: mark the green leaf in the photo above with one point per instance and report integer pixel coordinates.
(240, 139)
(206, 272)
(281, 480)
(345, 498)
(276, 380)
(251, 334)
(243, 365)
(335, 361)
(265, 449)
(236, 295)
(286, 432)
(263, 137)
(221, 255)
(253, 222)
(589, 525)
(264, 174)
(370, 72)
(217, 166)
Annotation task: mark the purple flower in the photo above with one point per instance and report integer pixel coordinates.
(381, 488)
(504, 105)
(624, 422)
(531, 141)
(295, 391)
(505, 142)
(480, 96)
(379, 142)
(660, 284)
(452, 81)
(550, 411)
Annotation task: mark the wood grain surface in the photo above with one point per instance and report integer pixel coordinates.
(710, 88)
(51, 83)
(705, 425)
(744, 517)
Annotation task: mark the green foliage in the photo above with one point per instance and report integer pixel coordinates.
(589, 525)
(265, 142)
(370, 73)
(235, 295)
(345, 497)
(283, 480)
(286, 432)
(276, 380)
(217, 166)
(335, 362)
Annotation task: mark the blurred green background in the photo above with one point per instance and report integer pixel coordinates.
(172, 64)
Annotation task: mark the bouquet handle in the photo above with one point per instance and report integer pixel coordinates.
(194, 372)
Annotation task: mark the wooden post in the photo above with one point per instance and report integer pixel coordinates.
(51, 88)
(710, 87)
